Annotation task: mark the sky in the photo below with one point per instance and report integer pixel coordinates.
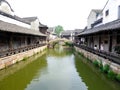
(71, 14)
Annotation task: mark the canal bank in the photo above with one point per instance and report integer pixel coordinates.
(57, 69)
(110, 67)
(10, 60)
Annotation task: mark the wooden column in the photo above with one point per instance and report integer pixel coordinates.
(110, 42)
(99, 41)
(25, 40)
(11, 42)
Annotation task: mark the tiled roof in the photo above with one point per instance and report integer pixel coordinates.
(114, 25)
(14, 17)
(75, 32)
(21, 19)
(29, 19)
(42, 25)
(8, 27)
(78, 31)
(97, 10)
(67, 32)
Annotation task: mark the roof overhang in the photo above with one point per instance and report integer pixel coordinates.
(8, 27)
(114, 25)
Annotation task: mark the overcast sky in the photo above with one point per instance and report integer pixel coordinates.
(71, 14)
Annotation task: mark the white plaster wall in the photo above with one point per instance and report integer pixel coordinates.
(9, 20)
(52, 37)
(5, 8)
(112, 5)
(91, 19)
(35, 25)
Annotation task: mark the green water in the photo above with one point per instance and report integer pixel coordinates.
(58, 69)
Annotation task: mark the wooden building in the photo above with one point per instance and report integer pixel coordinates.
(71, 34)
(107, 36)
(18, 34)
(103, 37)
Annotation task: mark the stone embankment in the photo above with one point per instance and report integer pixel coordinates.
(10, 60)
(115, 67)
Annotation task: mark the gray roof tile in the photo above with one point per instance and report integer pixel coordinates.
(8, 27)
(114, 25)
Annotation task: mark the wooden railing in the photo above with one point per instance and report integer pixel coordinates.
(108, 55)
(18, 50)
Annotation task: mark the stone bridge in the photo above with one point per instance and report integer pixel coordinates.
(52, 43)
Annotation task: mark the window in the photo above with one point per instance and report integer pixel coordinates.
(97, 14)
(107, 13)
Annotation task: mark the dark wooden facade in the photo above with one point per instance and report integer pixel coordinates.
(103, 40)
(12, 43)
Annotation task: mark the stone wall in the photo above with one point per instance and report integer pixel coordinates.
(10, 60)
(115, 67)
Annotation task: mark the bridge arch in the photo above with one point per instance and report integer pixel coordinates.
(52, 43)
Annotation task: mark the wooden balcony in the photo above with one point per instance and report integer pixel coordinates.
(108, 55)
(19, 50)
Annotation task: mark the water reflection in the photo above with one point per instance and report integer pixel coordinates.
(23, 73)
(60, 52)
(94, 79)
(58, 69)
(60, 73)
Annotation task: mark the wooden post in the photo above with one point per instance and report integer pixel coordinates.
(99, 41)
(11, 42)
(25, 40)
(110, 43)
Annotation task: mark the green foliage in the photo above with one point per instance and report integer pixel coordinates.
(58, 30)
(25, 58)
(17, 61)
(111, 74)
(70, 44)
(101, 66)
(74, 49)
(88, 59)
(96, 63)
(118, 77)
(106, 68)
(81, 54)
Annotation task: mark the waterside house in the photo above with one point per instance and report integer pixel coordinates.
(51, 33)
(66, 34)
(71, 34)
(18, 34)
(102, 36)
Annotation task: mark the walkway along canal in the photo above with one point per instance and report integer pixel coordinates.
(57, 69)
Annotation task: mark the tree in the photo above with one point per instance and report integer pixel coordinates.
(58, 30)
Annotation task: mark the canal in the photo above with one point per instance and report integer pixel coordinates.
(58, 69)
